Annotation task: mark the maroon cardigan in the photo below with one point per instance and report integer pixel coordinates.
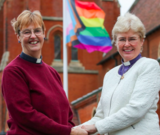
(35, 99)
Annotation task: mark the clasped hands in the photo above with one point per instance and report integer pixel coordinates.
(84, 130)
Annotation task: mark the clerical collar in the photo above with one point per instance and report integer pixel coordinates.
(31, 59)
(127, 65)
(132, 61)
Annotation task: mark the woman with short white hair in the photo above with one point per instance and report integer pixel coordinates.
(129, 96)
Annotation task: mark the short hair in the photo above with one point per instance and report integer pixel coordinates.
(25, 19)
(127, 22)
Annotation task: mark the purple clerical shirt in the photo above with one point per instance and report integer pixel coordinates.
(127, 65)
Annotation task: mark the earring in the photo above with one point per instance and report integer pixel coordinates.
(44, 38)
(19, 42)
(141, 49)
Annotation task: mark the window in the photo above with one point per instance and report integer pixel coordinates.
(74, 54)
(57, 47)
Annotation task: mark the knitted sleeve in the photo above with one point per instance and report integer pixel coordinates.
(17, 97)
(144, 94)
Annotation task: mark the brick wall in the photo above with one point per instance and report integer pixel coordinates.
(85, 113)
(153, 41)
(1, 33)
(51, 8)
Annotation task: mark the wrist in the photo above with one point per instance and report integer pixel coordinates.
(95, 128)
(72, 131)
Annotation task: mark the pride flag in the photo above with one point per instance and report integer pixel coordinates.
(85, 29)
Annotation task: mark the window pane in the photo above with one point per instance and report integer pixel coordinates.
(74, 53)
(57, 47)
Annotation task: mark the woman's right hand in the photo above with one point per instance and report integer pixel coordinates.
(78, 131)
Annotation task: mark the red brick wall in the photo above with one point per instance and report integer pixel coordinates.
(80, 84)
(1, 33)
(112, 12)
(48, 47)
(89, 60)
(34, 4)
(153, 41)
(85, 113)
(51, 8)
(145, 51)
(4, 25)
(13, 47)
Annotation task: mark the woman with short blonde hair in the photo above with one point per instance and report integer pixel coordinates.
(26, 18)
(33, 90)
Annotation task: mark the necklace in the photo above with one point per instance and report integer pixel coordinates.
(122, 76)
(122, 72)
(127, 65)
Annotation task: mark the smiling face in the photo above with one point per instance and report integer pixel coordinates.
(32, 44)
(129, 45)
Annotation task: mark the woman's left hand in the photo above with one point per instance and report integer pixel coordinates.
(91, 129)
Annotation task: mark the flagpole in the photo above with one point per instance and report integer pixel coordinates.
(65, 67)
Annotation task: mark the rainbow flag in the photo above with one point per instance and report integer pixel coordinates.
(85, 29)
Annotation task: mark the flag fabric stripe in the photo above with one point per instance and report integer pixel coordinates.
(95, 32)
(91, 48)
(85, 27)
(71, 33)
(92, 22)
(72, 25)
(87, 5)
(95, 41)
(71, 14)
(69, 22)
(72, 2)
(90, 13)
(79, 26)
(69, 28)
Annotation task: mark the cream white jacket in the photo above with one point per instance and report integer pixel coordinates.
(128, 106)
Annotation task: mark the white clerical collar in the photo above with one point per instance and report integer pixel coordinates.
(38, 60)
(31, 59)
(127, 63)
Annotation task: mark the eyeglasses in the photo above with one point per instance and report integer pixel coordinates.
(131, 40)
(28, 32)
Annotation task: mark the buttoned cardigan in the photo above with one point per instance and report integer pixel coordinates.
(128, 106)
